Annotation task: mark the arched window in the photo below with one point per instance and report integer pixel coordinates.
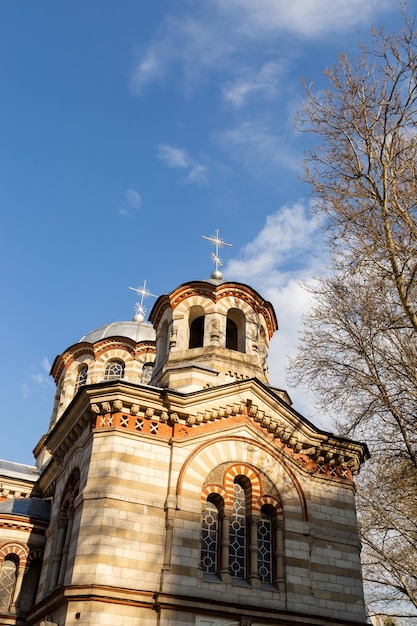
(236, 330)
(197, 332)
(237, 533)
(210, 537)
(243, 539)
(114, 369)
(8, 577)
(146, 374)
(266, 545)
(81, 377)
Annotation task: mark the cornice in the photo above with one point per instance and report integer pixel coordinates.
(140, 410)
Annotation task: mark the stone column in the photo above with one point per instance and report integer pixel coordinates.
(66, 546)
(14, 607)
(253, 553)
(279, 581)
(57, 552)
(224, 549)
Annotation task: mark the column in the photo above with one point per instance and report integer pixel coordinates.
(253, 552)
(279, 581)
(224, 553)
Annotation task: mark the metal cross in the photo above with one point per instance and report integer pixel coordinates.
(217, 242)
(143, 292)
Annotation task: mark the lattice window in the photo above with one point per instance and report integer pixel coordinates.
(265, 548)
(114, 370)
(82, 377)
(210, 539)
(237, 549)
(239, 522)
(7, 581)
(146, 374)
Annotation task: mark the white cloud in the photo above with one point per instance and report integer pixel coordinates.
(39, 378)
(45, 364)
(257, 146)
(311, 18)
(151, 66)
(25, 389)
(133, 199)
(199, 175)
(174, 157)
(264, 83)
(288, 251)
(132, 202)
(212, 37)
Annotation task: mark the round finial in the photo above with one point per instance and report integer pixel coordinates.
(216, 275)
(143, 292)
(138, 318)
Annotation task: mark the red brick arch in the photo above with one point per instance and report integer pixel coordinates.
(271, 500)
(215, 489)
(20, 550)
(242, 469)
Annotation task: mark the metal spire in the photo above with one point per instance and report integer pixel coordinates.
(217, 242)
(143, 292)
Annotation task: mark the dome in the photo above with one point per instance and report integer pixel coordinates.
(133, 330)
(30, 507)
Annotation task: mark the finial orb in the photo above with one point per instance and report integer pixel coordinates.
(216, 275)
(139, 318)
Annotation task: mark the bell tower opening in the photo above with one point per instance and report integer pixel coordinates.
(236, 330)
(196, 321)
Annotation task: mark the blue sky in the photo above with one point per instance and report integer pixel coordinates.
(127, 131)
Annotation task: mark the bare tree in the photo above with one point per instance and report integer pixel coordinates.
(358, 350)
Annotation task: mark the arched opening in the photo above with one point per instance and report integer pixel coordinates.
(81, 377)
(236, 330)
(146, 374)
(196, 328)
(114, 369)
(197, 332)
(211, 534)
(8, 576)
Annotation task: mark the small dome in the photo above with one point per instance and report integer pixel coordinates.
(29, 507)
(133, 330)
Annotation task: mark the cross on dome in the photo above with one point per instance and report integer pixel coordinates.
(217, 242)
(143, 292)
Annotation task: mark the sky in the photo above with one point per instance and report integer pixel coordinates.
(128, 130)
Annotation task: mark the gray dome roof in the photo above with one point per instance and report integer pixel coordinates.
(133, 330)
(30, 507)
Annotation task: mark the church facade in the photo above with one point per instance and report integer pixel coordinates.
(175, 486)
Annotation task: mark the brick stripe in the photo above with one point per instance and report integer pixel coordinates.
(15, 548)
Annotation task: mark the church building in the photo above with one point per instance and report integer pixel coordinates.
(176, 486)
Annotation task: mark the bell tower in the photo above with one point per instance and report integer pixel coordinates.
(210, 333)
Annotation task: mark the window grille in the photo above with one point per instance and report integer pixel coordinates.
(210, 539)
(82, 377)
(114, 370)
(237, 550)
